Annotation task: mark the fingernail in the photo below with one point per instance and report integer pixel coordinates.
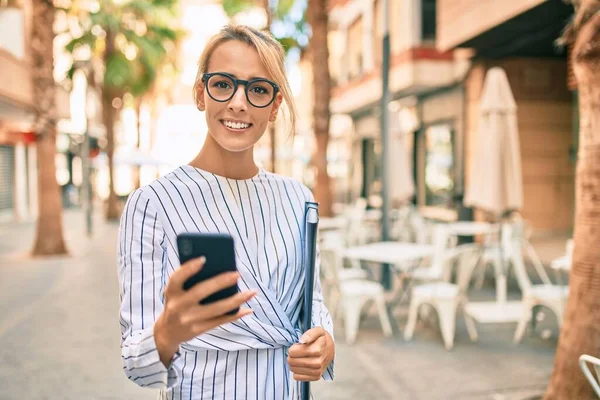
(234, 276)
(251, 294)
(304, 339)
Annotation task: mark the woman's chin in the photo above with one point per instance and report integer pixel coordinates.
(236, 145)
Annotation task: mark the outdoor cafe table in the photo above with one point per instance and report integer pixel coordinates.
(389, 252)
(469, 228)
(328, 224)
(396, 253)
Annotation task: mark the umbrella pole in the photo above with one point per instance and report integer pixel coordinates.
(501, 272)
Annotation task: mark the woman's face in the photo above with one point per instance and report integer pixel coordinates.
(236, 125)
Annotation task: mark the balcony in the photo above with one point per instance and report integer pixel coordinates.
(15, 80)
(412, 71)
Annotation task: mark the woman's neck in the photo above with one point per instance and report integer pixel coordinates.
(214, 158)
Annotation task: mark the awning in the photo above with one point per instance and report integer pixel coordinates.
(531, 33)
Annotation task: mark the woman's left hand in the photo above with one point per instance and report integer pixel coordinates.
(309, 359)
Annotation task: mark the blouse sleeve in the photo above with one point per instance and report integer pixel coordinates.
(142, 277)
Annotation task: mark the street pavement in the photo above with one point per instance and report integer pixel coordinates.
(59, 336)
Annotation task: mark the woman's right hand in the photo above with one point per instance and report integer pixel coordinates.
(183, 318)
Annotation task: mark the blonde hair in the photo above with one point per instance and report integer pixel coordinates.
(270, 52)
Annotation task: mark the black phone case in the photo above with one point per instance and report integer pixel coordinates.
(220, 257)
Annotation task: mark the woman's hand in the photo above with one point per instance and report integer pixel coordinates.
(183, 318)
(309, 359)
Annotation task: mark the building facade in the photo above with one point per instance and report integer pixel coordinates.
(427, 99)
(520, 36)
(440, 52)
(18, 161)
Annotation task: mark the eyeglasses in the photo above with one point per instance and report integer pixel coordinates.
(221, 87)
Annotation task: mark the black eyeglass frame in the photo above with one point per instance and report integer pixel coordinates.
(236, 82)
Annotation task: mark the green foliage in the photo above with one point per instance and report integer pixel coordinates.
(145, 36)
(233, 7)
(288, 19)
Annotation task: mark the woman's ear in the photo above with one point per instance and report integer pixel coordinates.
(275, 109)
(199, 89)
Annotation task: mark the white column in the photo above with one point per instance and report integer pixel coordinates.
(413, 23)
(368, 26)
(21, 211)
(33, 181)
(344, 58)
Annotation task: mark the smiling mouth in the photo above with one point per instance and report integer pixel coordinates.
(235, 126)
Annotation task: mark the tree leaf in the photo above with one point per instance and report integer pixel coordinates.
(119, 71)
(288, 43)
(233, 7)
(87, 39)
(283, 8)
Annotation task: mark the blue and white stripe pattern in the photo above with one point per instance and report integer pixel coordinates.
(246, 359)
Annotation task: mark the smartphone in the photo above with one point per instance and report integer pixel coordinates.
(220, 257)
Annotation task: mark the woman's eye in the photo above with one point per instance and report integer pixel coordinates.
(222, 85)
(260, 90)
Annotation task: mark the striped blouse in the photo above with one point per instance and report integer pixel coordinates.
(245, 359)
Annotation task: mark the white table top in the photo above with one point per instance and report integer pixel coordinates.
(562, 263)
(468, 228)
(389, 252)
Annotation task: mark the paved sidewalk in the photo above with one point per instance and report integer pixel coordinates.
(60, 337)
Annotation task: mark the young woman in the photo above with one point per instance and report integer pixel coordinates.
(192, 351)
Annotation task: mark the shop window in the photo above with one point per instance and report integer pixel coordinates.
(428, 21)
(439, 165)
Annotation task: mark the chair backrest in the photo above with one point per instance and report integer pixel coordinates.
(401, 228)
(355, 234)
(331, 257)
(583, 364)
(441, 238)
(519, 247)
(420, 229)
(518, 263)
(467, 257)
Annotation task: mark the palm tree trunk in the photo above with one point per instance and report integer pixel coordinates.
(113, 211)
(580, 333)
(49, 234)
(318, 20)
(272, 132)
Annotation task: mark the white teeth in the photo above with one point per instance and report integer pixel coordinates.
(236, 125)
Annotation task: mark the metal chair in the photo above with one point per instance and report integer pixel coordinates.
(446, 297)
(583, 364)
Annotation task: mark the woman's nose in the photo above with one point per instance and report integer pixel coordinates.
(238, 102)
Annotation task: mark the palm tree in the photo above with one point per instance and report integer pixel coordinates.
(278, 13)
(49, 235)
(131, 40)
(580, 333)
(318, 20)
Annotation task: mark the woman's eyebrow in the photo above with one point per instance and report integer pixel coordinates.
(251, 78)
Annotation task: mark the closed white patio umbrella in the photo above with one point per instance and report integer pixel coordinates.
(495, 182)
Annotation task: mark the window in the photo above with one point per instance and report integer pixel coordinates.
(355, 49)
(12, 28)
(439, 165)
(377, 34)
(428, 20)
